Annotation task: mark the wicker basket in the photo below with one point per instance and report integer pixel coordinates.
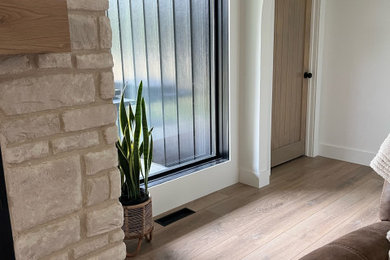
(138, 223)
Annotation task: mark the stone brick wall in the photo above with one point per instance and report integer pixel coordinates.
(57, 132)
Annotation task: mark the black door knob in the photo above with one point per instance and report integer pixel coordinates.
(307, 75)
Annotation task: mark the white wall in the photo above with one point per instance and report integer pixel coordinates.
(355, 96)
(172, 194)
(249, 94)
(256, 68)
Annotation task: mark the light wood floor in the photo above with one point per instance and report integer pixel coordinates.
(309, 203)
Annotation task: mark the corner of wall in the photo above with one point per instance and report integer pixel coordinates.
(256, 74)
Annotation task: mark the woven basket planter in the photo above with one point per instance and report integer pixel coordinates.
(138, 223)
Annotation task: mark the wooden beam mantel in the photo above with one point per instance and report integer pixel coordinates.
(34, 26)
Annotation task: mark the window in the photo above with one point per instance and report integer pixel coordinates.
(177, 49)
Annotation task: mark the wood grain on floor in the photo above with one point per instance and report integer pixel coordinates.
(310, 202)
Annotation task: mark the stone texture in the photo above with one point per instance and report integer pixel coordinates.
(54, 60)
(83, 32)
(117, 236)
(62, 256)
(110, 134)
(48, 239)
(52, 113)
(94, 61)
(31, 127)
(92, 5)
(90, 246)
(97, 190)
(115, 182)
(117, 252)
(31, 94)
(44, 192)
(99, 161)
(78, 141)
(26, 152)
(14, 64)
(104, 220)
(107, 89)
(81, 119)
(105, 32)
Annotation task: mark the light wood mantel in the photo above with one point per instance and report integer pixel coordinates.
(34, 26)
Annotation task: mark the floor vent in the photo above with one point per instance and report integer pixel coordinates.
(175, 216)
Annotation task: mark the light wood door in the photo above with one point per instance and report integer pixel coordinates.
(291, 59)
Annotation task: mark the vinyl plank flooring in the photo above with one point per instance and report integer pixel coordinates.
(307, 232)
(273, 223)
(362, 218)
(309, 202)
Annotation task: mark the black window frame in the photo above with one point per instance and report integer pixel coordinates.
(219, 73)
(219, 37)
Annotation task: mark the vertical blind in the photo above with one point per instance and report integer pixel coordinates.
(166, 44)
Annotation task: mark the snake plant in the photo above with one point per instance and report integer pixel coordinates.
(135, 150)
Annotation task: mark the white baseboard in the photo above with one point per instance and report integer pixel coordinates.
(346, 154)
(174, 193)
(253, 179)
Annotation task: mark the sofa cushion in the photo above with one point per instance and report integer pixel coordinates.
(384, 210)
(368, 243)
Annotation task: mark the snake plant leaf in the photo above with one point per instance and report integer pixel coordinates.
(145, 132)
(132, 181)
(141, 149)
(131, 116)
(149, 163)
(142, 171)
(122, 115)
(150, 158)
(138, 114)
(123, 162)
(125, 188)
(122, 156)
(125, 148)
(127, 139)
(137, 131)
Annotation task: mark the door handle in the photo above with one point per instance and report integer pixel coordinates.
(308, 75)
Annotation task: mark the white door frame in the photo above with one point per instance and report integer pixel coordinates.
(255, 145)
(313, 108)
(314, 87)
(314, 91)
